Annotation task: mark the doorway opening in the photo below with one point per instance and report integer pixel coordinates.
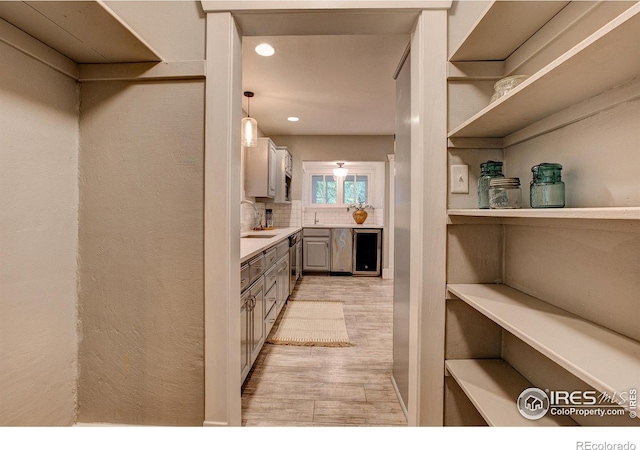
(342, 90)
(427, 26)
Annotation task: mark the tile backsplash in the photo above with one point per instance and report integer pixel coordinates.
(284, 214)
(340, 216)
(293, 215)
(248, 220)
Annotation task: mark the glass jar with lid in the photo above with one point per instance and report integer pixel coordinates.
(488, 171)
(547, 188)
(505, 193)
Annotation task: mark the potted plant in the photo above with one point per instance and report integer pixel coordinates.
(360, 215)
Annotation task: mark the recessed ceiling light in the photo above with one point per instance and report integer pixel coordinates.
(293, 119)
(265, 50)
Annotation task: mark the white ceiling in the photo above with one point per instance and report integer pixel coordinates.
(335, 84)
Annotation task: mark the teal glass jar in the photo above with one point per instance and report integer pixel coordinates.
(547, 188)
(488, 171)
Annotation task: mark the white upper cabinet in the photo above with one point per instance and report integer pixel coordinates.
(261, 170)
(283, 175)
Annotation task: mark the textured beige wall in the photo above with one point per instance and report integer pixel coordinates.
(38, 242)
(141, 253)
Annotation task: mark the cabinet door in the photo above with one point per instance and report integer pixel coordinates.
(245, 335)
(271, 298)
(315, 254)
(273, 170)
(298, 267)
(259, 170)
(283, 281)
(289, 163)
(257, 320)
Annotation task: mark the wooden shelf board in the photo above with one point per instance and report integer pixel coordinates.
(604, 359)
(85, 32)
(493, 386)
(503, 28)
(613, 213)
(586, 70)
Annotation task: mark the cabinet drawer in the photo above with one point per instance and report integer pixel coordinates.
(282, 249)
(270, 277)
(270, 299)
(256, 267)
(270, 257)
(245, 277)
(316, 232)
(272, 315)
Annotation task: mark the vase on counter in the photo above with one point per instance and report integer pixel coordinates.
(360, 216)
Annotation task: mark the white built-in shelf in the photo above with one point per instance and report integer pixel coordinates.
(614, 213)
(586, 70)
(503, 27)
(83, 31)
(493, 386)
(604, 359)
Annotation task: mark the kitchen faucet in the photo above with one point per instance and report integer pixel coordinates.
(315, 217)
(256, 213)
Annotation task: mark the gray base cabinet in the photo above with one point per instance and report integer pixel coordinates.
(252, 325)
(268, 279)
(316, 252)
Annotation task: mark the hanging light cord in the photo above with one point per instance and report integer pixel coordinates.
(248, 94)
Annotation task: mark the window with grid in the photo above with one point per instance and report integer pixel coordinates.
(355, 189)
(324, 190)
(330, 190)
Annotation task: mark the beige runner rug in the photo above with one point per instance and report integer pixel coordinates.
(312, 323)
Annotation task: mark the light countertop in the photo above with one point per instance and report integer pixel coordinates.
(250, 247)
(341, 225)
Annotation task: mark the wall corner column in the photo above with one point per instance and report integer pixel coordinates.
(428, 218)
(223, 113)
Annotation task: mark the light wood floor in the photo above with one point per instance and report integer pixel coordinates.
(322, 386)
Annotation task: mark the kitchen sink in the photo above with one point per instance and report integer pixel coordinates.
(259, 236)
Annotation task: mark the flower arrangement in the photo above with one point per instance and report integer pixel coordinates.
(360, 206)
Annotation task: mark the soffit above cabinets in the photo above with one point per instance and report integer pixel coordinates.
(84, 31)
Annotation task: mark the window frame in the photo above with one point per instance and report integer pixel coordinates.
(374, 170)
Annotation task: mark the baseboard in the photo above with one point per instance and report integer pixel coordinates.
(210, 423)
(402, 405)
(105, 424)
(108, 424)
(387, 274)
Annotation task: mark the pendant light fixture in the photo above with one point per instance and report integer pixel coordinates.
(340, 171)
(249, 125)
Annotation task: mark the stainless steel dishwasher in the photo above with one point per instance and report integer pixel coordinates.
(341, 251)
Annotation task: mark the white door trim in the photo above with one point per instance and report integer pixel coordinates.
(428, 235)
(223, 115)
(222, 206)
